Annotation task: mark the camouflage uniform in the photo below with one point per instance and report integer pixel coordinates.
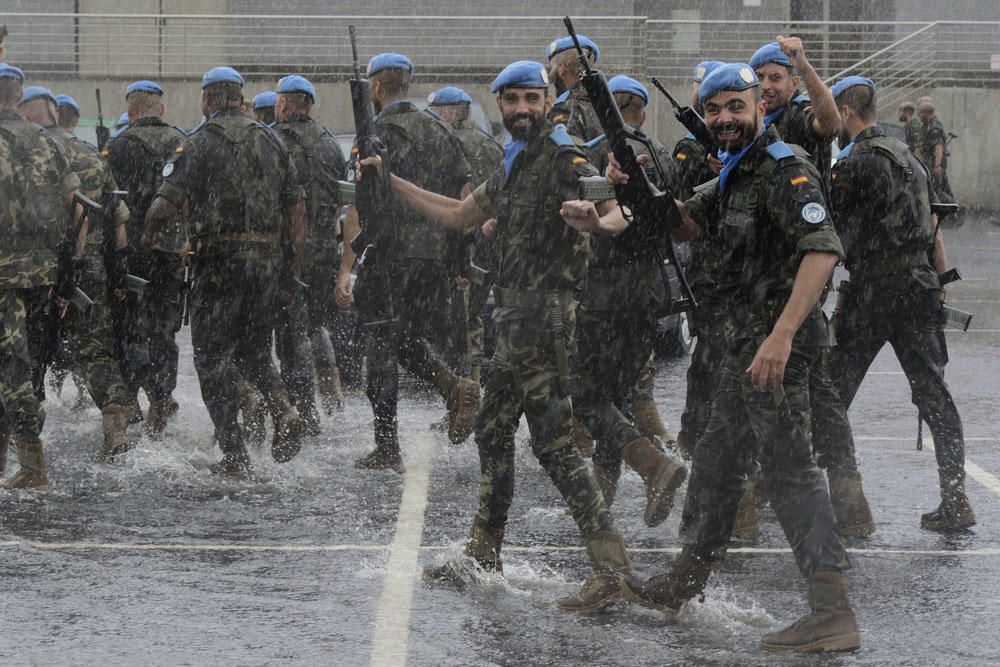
(402, 292)
(90, 338)
(136, 157)
(931, 135)
(236, 175)
(914, 131)
(34, 177)
(574, 110)
(541, 264)
(770, 214)
(881, 200)
(320, 163)
(794, 123)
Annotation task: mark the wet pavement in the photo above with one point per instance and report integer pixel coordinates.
(155, 561)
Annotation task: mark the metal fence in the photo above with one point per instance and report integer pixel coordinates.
(470, 48)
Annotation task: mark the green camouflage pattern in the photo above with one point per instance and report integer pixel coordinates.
(932, 135)
(691, 158)
(795, 125)
(704, 370)
(574, 110)
(22, 322)
(914, 133)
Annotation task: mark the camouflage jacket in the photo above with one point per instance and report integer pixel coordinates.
(319, 163)
(703, 262)
(537, 250)
(914, 131)
(771, 213)
(692, 166)
(574, 110)
(34, 179)
(238, 179)
(932, 134)
(136, 157)
(794, 124)
(484, 156)
(423, 150)
(880, 193)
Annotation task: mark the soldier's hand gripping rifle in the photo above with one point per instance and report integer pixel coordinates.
(689, 118)
(651, 216)
(69, 266)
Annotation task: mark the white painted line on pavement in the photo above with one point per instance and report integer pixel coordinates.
(885, 373)
(977, 473)
(392, 620)
(973, 331)
(904, 438)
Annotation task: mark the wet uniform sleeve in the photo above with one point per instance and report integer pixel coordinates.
(180, 174)
(571, 164)
(292, 192)
(797, 204)
(485, 195)
(702, 204)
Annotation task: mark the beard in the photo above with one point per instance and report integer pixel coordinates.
(519, 130)
(733, 136)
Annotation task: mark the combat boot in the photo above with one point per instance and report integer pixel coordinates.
(584, 443)
(830, 625)
(661, 474)
(170, 407)
(254, 413)
(83, 398)
(954, 512)
(156, 419)
(5, 434)
(648, 421)
(485, 542)
(386, 455)
(607, 481)
(685, 446)
(133, 411)
(330, 390)
(854, 517)
(235, 462)
(745, 526)
(305, 405)
(288, 426)
(605, 586)
(114, 420)
(462, 396)
(32, 474)
(669, 591)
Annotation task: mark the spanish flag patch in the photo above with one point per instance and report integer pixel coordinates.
(179, 149)
(681, 156)
(579, 160)
(799, 180)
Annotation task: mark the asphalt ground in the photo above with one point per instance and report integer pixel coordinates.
(155, 561)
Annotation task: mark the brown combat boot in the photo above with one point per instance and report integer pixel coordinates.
(605, 586)
(83, 398)
(156, 419)
(581, 437)
(386, 455)
(685, 446)
(254, 412)
(667, 592)
(235, 462)
(171, 407)
(854, 517)
(607, 480)
(114, 421)
(954, 512)
(462, 396)
(648, 421)
(288, 427)
(483, 548)
(330, 390)
(745, 526)
(830, 626)
(32, 474)
(662, 475)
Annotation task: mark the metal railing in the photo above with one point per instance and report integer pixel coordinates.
(473, 48)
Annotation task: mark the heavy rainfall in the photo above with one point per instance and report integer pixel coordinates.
(625, 332)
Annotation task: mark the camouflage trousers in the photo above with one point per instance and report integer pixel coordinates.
(22, 313)
(153, 323)
(703, 373)
(775, 429)
(295, 351)
(912, 323)
(523, 377)
(233, 302)
(321, 308)
(613, 351)
(833, 439)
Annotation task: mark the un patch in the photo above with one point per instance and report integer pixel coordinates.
(813, 213)
(168, 169)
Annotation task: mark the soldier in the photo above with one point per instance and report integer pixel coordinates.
(136, 157)
(69, 113)
(934, 149)
(263, 106)
(403, 293)
(571, 107)
(319, 163)
(235, 176)
(35, 177)
(89, 337)
(881, 196)
(780, 250)
(484, 156)
(542, 262)
(912, 127)
(616, 324)
(121, 125)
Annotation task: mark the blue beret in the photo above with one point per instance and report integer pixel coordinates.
(521, 74)
(297, 84)
(850, 82)
(706, 67)
(448, 95)
(265, 100)
(566, 43)
(67, 101)
(769, 53)
(34, 92)
(11, 72)
(221, 75)
(731, 76)
(144, 86)
(626, 84)
(389, 61)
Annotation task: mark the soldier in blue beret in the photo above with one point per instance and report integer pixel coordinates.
(144, 86)
(572, 108)
(811, 120)
(37, 92)
(263, 106)
(69, 113)
(389, 74)
(11, 72)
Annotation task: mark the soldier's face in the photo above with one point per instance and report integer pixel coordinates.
(523, 110)
(904, 116)
(734, 118)
(777, 85)
(556, 69)
(926, 115)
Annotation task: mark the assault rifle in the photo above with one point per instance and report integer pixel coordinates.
(372, 196)
(115, 259)
(103, 133)
(68, 269)
(689, 118)
(3, 36)
(651, 216)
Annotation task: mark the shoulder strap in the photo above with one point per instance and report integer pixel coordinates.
(593, 142)
(779, 150)
(560, 137)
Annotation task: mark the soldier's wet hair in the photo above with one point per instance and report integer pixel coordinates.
(570, 57)
(298, 101)
(395, 80)
(141, 103)
(909, 107)
(10, 92)
(861, 99)
(224, 94)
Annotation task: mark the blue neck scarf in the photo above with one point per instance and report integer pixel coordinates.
(773, 116)
(511, 150)
(730, 161)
